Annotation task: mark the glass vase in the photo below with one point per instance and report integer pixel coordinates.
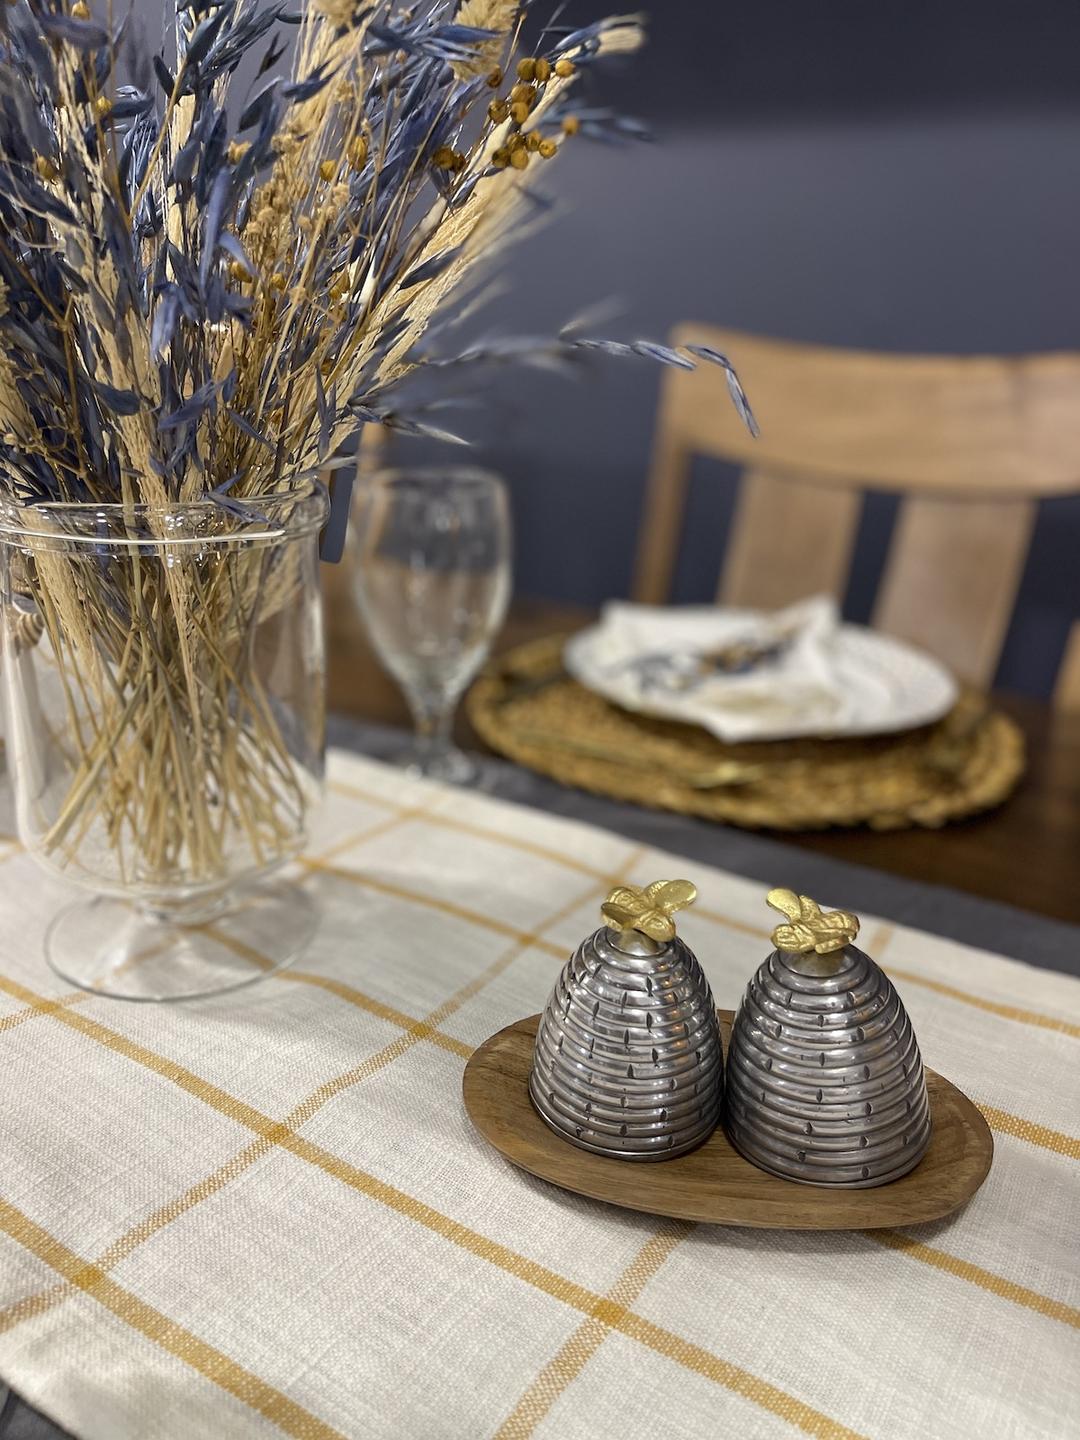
(165, 730)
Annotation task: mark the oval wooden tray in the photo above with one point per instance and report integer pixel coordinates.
(714, 1184)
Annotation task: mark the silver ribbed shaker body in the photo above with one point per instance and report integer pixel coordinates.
(628, 1059)
(825, 1083)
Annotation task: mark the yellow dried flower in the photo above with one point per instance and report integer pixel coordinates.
(543, 71)
(238, 270)
(46, 168)
(498, 111)
(278, 281)
(548, 148)
(495, 78)
(532, 143)
(236, 150)
(447, 158)
(80, 10)
(501, 159)
(565, 68)
(519, 158)
(571, 125)
(516, 142)
(526, 69)
(358, 152)
(523, 92)
(338, 12)
(519, 112)
(328, 169)
(102, 106)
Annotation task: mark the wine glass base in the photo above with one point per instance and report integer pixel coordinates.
(110, 947)
(448, 766)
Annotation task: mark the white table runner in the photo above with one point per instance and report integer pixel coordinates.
(268, 1214)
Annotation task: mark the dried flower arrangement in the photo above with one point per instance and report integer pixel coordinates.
(208, 284)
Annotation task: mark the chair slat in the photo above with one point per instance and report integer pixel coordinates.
(790, 539)
(1067, 690)
(951, 578)
(662, 516)
(926, 424)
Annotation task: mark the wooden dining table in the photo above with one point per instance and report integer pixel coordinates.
(1026, 853)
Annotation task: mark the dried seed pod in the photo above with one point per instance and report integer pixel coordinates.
(565, 68)
(358, 152)
(543, 71)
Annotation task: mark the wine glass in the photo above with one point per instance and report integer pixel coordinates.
(431, 570)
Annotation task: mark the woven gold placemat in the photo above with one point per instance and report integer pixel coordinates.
(526, 707)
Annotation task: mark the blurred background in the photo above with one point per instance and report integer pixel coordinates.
(892, 177)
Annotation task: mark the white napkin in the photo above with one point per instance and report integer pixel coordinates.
(748, 675)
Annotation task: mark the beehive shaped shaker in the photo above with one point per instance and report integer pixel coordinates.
(628, 1061)
(824, 1082)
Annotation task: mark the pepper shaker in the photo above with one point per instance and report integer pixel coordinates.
(824, 1082)
(628, 1060)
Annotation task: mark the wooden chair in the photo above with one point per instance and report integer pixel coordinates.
(971, 443)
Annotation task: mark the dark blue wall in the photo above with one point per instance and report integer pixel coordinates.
(901, 177)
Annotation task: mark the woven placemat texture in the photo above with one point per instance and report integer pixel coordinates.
(527, 708)
(267, 1213)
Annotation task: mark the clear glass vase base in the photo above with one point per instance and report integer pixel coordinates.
(110, 947)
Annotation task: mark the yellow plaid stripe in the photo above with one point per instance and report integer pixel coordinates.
(1007, 1012)
(612, 1314)
(1024, 1129)
(1032, 1132)
(564, 1368)
(603, 1313)
(415, 1031)
(977, 1275)
(428, 1029)
(290, 1417)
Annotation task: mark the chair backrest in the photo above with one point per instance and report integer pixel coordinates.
(970, 443)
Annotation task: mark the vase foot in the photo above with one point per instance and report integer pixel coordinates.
(110, 947)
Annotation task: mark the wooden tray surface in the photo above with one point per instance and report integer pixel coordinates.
(714, 1184)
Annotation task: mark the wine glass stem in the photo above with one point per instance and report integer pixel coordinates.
(433, 723)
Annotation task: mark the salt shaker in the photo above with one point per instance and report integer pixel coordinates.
(824, 1081)
(628, 1061)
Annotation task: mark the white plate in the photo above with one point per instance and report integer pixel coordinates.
(874, 684)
